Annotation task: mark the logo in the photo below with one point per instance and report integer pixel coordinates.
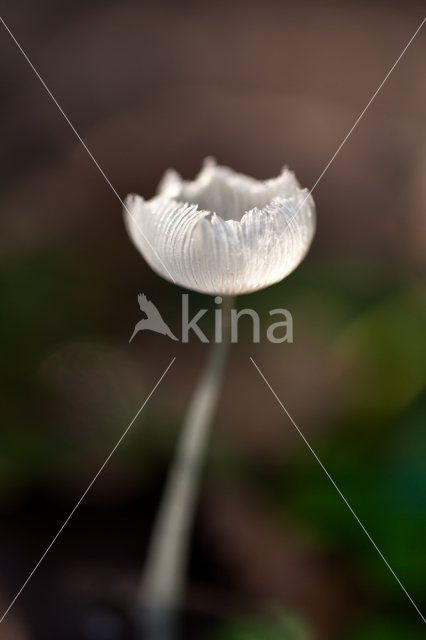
(154, 322)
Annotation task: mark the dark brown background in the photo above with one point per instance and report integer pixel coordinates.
(150, 85)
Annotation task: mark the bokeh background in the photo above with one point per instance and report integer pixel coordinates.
(276, 554)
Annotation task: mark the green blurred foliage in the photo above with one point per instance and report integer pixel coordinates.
(279, 625)
(372, 324)
(385, 629)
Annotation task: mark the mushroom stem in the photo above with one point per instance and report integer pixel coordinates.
(163, 583)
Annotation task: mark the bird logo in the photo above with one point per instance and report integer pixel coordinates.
(153, 321)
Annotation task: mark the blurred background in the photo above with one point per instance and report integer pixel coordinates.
(276, 554)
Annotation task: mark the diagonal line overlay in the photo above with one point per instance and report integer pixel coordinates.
(340, 147)
(304, 201)
(81, 140)
(343, 498)
(81, 500)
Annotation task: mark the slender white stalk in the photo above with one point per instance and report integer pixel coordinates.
(163, 583)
